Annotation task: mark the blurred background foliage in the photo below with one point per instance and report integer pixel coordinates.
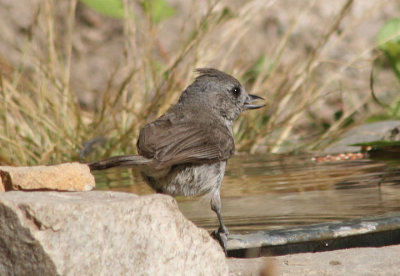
(95, 71)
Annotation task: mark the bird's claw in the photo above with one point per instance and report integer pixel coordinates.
(221, 235)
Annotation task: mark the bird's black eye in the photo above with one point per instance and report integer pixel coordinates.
(236, 91)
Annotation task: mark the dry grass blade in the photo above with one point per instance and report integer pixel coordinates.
(45, 117)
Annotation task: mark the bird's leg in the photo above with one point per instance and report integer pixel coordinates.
(222, 233)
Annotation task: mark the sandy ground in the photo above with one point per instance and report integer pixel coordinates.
(355, 261)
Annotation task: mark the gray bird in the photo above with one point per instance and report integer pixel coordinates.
(184, 152)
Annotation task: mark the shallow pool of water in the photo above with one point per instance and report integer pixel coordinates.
(262, 192)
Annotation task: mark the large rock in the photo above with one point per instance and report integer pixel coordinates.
(102, 233)
(61, 177)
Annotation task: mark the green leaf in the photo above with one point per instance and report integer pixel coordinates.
(389, 42)
(389, 37)
(377, 144)
(380, 117)
(157, 10)
(112, 8)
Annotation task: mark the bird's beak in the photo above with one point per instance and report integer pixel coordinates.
(250, 99)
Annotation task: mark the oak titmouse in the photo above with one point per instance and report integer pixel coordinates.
(184, 152)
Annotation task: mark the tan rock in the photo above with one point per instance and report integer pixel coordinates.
(62, 177)
(102, 233)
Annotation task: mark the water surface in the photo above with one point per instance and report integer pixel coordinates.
(262, 192)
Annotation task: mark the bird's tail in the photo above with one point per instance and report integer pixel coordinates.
(119, 161)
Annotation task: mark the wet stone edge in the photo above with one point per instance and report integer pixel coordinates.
(367, 231)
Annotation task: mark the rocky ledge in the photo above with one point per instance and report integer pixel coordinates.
(102, 233)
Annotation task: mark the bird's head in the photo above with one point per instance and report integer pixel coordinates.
(220, 92)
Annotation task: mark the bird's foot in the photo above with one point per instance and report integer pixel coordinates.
(221, 235)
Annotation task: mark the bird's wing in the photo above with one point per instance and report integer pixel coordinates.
(177, 143)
